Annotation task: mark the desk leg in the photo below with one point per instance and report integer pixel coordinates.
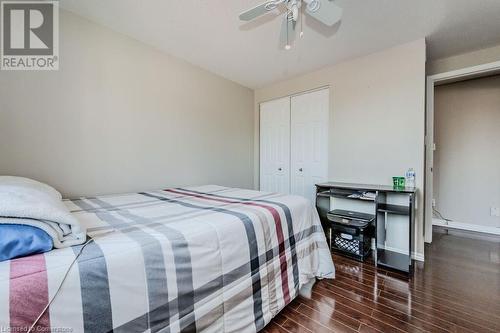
(330, 237)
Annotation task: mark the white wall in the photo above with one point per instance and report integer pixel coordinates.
(467, 159)
(376, 117)
(121, 116)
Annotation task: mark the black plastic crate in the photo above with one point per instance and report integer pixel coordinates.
(357, 247)
(351, 233)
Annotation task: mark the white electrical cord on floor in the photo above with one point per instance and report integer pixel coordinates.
(439, 215)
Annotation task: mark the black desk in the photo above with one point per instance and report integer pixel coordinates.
(396, 260)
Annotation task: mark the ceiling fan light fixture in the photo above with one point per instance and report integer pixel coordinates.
(313, 5)
(271, 5)
(325, 11)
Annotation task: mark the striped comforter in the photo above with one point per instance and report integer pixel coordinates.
(210, 258)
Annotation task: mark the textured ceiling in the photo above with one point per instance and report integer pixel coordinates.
(207, 33)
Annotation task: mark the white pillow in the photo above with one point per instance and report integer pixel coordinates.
(29, 184)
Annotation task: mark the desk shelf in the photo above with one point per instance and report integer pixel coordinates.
(393, 209)
(393, 260)
(383, 208)
(343, 195)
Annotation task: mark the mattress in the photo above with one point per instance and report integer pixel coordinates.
(210, 258)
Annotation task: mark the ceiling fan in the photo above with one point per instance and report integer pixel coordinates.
(324, 11)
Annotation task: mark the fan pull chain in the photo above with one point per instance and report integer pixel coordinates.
(301, 23)
(287, 46)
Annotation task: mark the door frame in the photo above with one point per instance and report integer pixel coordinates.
(433, 81)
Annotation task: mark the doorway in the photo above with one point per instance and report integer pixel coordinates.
(433, 83)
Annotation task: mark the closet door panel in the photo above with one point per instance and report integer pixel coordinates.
(309, 142)
(299, 152)
(275, 146)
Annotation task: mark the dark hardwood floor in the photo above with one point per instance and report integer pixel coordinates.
(457, 290)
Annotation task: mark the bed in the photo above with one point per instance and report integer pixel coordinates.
(208, 258)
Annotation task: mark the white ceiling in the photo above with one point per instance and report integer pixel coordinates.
(208, 33)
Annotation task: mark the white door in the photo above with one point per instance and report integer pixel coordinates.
(275, 146)
(309, 142)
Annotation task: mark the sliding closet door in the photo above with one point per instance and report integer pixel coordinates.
(275, 146)
(309, 141)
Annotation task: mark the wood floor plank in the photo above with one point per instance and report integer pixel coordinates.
(427, 323)
(294, 327)
(279, 319)
(318, 324)
(272, 327)
(455, 290)
(479, 319)
(367, 329)
(400, 304)
(459, 319)
(445, 294)
(383, 323)
(313, 308)
(443, 302)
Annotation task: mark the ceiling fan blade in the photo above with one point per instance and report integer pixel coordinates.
(255, 12)
(287, 38)
(327, 12)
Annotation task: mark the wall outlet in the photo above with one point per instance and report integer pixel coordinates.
(495, 211)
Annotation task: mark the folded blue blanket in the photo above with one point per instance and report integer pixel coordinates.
(21, 240)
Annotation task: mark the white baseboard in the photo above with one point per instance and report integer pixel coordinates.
(466, 226)
(418, 256)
